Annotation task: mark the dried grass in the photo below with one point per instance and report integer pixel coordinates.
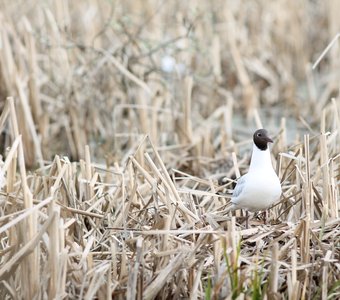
(132, 206)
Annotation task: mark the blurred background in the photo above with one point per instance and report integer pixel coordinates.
(193, 75)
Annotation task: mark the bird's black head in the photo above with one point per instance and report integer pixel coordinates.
(261, 139)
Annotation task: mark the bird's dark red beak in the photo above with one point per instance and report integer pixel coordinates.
(269, 140)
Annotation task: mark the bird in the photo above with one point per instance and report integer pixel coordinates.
(260, 188)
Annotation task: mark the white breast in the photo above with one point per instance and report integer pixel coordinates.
(257, 191)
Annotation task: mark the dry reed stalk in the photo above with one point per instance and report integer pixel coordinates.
(325, 174)
(142, 100)
(274, 276)
(134, 271)
(249, 97)
(325, 276)
(309, 199)
(4, 115)
(88, 173)
(294, 289)
(257, 119)
(11, 174)
(196, 288)
(77, 134)
(332, 9)
(187, 126)
(30, 122)
(157, 102)
(54, 250)
(59, 54)
(227, 127)
(8, 65)
(34, 96)
(216, 57)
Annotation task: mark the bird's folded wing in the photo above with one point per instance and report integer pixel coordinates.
(239, 186)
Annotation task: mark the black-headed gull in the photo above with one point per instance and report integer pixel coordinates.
(260, 188)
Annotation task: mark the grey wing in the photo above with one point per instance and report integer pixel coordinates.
(239, 186)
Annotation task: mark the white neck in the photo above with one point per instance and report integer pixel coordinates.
(260, 159)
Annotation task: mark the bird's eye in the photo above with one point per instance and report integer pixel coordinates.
(259, 134)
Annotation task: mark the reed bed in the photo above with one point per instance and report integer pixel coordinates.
(124, 126)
